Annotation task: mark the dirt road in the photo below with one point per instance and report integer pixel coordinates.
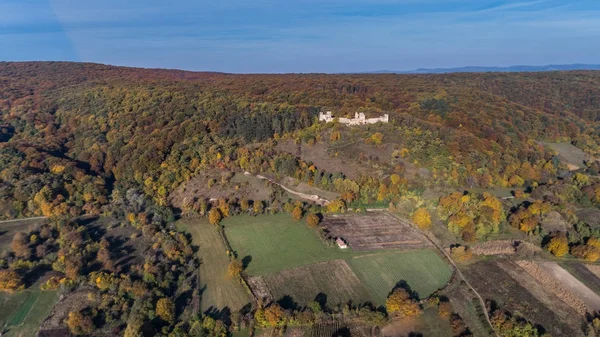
(458, 273)
(315, 198)
(23, 219)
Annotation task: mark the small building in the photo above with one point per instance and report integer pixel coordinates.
(340, 242)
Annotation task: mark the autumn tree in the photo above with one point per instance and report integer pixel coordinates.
(258, 207)
(444, 309)
(214, 216)
(377, 138)
(558, 245)
(165, 310)
(274, 315)
(20, 245)
(461, 253)
(10, 280)
(80, 324)
(399, 302)
(422, 218)
(336, 206)
(235, 268)
(297, 213)
(312, 220)
(586, 252)
(73, 266)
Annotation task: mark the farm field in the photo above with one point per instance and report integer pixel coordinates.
(272, 243)
(374, 231)
(512, 288)
(583, 273)
(22, 313)
(333, 278)
(285, 252)
(572, 284)
(423, 270)
(220, 291)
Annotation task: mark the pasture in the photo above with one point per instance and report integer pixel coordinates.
(423, 271)
(303, 284)
(22, 313)
(272, 243)
(10, 227)
(219, 290)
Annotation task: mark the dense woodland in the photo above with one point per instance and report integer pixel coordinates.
(88, 139)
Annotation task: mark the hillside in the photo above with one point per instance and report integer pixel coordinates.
(169, 201)
(119, 125)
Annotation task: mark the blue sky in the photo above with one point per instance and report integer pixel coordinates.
(302, 35)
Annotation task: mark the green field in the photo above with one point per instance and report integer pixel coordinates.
(333, 278)
(276, 242)
(423, 270)
(219, 290)
(23, 312)
(277, 246)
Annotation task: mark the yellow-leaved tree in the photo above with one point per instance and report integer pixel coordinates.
(400, 303)
(235, 268)
(558, 245)
(422, 218)
(312, 220)
(165, 310)
(214, 216)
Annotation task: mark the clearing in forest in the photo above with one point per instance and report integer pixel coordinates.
(9, 228)
(219, 289)
(572, 156)
(423, 271)
(335, 279)
(374, 231)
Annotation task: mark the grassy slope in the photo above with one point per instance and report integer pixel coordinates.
(220, 290)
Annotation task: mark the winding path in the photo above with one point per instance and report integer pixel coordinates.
(458, 272)
(314, 197)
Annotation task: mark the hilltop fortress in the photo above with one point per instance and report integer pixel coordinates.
(359, 119)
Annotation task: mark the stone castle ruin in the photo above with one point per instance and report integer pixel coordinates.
(359, 119)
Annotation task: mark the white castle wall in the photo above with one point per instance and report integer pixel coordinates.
(359, 119)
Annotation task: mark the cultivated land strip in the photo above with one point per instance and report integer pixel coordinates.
(459, 273)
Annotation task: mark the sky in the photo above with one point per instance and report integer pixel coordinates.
(275, 36)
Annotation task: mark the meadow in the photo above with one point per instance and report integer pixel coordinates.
(272, 243)
(423, 270)
(219, 290)
(22, 313)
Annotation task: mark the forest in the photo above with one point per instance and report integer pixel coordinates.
(81, 140)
